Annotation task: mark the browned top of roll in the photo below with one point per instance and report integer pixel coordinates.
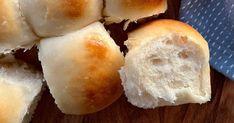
(141, 4)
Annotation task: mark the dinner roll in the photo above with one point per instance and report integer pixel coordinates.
(58, 17)
(81, 69)
(132, 10)
(20, 88)
(167, 64)
(14, 32)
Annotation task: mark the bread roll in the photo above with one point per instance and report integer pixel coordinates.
(20, 87)
(58, 17)
(132, 10)
(14, 32)
(167, 64)
(81, 69)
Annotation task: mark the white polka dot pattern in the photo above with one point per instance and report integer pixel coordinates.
(214, 19)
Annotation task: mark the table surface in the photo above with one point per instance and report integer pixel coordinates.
(219, 110)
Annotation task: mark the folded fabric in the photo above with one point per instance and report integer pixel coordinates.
(214, 19)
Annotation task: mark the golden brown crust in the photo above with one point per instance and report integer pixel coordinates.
(73, 8)
(141, 4)
(99, 83)
(8, 26)
(101, 89)
(10, 103)
(96, 49)
(89, 79)
(132, 10)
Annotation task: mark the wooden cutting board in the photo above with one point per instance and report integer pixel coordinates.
(219, 110)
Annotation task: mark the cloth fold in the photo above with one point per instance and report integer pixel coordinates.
(214, 19)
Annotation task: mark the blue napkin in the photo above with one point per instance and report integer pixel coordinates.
(214, 19)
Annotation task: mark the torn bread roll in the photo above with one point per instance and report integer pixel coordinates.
(132, 10)
(14, 32)
(58, 17)
(167, 64)
(20, 88)
(81, 69)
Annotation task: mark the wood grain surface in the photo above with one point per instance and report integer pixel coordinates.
(219, 110)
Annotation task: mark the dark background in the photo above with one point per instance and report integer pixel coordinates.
(219, 110)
